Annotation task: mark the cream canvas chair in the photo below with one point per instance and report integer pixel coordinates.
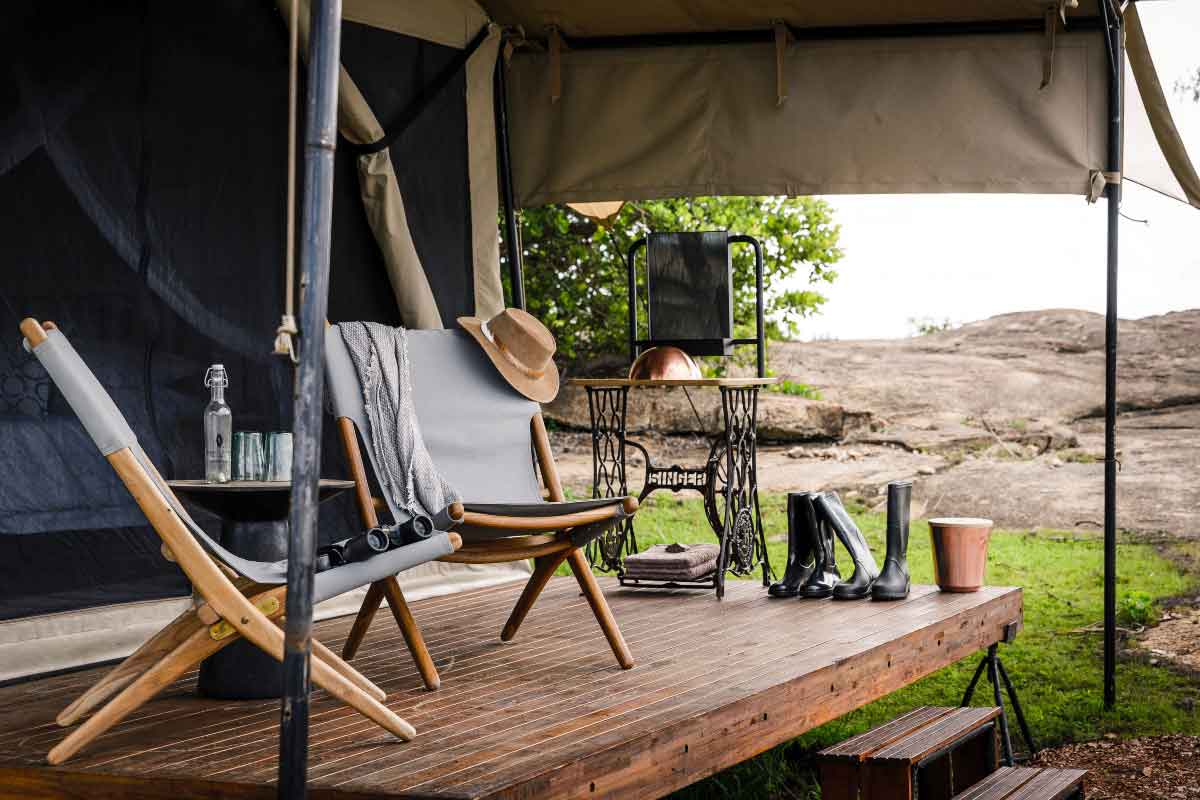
(484, 437)
(236, 597)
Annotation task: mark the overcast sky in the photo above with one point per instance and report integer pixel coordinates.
(966, 257)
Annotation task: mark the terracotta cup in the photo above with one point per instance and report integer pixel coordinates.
(960, 546)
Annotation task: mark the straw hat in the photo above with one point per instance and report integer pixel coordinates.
(521, 348)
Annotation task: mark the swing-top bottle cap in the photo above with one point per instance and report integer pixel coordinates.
(215, 376)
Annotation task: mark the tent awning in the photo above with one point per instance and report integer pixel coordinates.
(897, 115)
(595, 120)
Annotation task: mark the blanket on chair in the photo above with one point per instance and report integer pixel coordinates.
(406, 469)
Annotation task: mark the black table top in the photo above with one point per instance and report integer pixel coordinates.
(193, 485)
(251, 501)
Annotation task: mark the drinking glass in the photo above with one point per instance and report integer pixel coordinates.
(248, 456)
(279, 456)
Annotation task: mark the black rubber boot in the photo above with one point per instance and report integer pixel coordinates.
(824, 575)
(801, 549)
(893, 583)
(858, 586)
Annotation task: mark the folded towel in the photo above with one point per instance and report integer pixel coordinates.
(690, 574)
(673, 562)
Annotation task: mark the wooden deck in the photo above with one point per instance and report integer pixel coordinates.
(549, 715)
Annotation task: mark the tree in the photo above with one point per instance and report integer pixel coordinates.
(575, 275)
(1189, 85)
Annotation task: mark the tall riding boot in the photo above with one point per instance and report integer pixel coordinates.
(893, 583)
(858, 586)
(801, 549)
(824, 575)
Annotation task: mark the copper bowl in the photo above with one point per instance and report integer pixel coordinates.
(960, 546)
(664, 363)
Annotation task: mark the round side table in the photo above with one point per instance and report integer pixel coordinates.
(254, 525)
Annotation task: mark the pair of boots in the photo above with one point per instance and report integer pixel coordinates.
(814, 519)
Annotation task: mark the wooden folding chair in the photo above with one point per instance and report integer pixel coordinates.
(484, 437)
(236, 597)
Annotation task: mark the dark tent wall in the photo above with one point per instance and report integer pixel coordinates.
(429, 155)
(143, 177)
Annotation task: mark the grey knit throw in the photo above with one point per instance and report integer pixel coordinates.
(405, 469)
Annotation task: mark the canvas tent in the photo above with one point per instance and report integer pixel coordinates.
(147, 183)
(143, 189)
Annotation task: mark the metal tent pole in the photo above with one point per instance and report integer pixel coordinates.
(316, 222)
(1113, 192)
(512, 232)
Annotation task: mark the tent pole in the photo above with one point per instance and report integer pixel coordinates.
(512, 233)
(320, 140)
(1113, 193)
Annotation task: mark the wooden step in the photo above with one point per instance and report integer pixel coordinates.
(937, 749)
(1027, 783)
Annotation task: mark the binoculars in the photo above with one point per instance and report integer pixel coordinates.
(373, 542)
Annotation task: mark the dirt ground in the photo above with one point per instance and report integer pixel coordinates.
(1152, 768)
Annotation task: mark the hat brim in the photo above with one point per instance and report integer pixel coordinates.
(542, 390)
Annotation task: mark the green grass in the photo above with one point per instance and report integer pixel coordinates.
(1057, 669)
(795, 389)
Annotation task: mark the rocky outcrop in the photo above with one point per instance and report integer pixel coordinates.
(780, 417)
(1000, 418)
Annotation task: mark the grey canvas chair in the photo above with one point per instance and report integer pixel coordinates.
(484, 437)
(236, 597)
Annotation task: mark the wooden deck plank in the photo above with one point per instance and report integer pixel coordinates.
(549, 714)
(648, 691)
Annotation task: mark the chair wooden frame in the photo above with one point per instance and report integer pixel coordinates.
(544, 539)
(228, 607)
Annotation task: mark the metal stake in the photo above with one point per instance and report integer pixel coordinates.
(316, 223)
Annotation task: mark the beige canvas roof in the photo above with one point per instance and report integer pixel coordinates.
(887, 115)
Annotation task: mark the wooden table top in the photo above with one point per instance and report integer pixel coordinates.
(639, 383)
(196, 485)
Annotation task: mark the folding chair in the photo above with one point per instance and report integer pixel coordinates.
(689, 294)
(236, 597)
(483, 436)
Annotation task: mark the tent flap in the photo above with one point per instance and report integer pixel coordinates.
(485, 193)
(1154, 153)
(947, 114)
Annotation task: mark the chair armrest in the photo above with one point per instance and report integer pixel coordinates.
(627, 507)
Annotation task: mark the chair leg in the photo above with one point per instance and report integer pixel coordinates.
(595, 597)
(362, 622)
(128, 670)
(269, 638)
(543, 569)
(196, 647)
(411, 632)
(350, 673)
(343, 689)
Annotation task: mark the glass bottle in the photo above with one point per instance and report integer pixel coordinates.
(218, 428)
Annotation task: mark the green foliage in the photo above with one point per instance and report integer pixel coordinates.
(1189, 86)
(576, 280)
(1136, 608)
(1055, 662)
(923, 326)
(795, 389)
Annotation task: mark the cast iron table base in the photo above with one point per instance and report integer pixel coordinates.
(728, 480)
